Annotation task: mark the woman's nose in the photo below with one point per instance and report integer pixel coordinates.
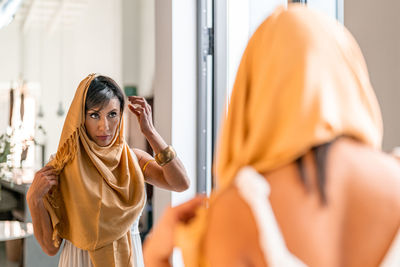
(103, 124)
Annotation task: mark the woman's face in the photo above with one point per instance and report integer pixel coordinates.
(102, 123)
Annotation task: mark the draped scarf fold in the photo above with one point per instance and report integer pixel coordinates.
(100, 191)
(302, 82)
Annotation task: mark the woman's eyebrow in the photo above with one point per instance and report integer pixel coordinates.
(94, 110)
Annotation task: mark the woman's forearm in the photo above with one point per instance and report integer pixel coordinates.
(175, 175)
(43, 230)
(155, 140)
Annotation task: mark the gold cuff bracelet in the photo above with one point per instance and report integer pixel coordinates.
(165, 156)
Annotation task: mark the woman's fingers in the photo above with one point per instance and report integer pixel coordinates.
(138, 111)
(148, 109)
(132, 108)
(187, 210)
(53, 183)
(48, 172)
(44, 180)
(45, 169)
(137, 100)
(134, 98)
(140, 101)
(51, 177)
(142, 110)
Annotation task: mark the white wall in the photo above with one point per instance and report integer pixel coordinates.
(138, 42)
(259, 10)
(139, 45)
(375, 25)
(238, 33)
(329, 7)
(184, 82)
(59, 61)
(184, 93)
(163, 88)
(9, 53)
(131, 18)
(175, 90)
(243, 18)
(147, 47)
(130, 41)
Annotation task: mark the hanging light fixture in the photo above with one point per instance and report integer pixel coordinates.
(299, 1)
(40, 113)
(60, 110)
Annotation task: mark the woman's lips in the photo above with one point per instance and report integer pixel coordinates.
(103, 137)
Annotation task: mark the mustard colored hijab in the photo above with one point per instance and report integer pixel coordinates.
(302, 81)
(100, 192)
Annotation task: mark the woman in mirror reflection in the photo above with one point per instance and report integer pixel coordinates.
(92, 191)
(302, 180)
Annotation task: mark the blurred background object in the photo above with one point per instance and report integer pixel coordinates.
(8, 8)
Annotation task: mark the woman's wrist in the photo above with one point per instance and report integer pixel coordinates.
(151, 131)
(155, 140)
(34, 200)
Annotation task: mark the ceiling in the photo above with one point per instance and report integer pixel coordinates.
(49, 14)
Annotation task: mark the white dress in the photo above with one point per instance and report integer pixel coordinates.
(254, 189)
(72, 256)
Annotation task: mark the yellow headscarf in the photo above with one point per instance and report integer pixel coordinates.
(100, 192)
(302, 81)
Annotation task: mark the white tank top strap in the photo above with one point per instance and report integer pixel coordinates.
(255, 190)
(72, 256)
(392, 257)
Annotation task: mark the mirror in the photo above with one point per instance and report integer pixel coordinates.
(51, 45)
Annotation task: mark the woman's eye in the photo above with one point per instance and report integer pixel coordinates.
(94, 115)
(113, 114)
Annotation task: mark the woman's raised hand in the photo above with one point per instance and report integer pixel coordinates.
(139, 106)
(44, 180)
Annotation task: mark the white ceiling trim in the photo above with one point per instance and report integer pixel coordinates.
(28, 16)
(49, 14)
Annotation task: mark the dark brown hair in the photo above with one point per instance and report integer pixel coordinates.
(320, 154)
(101, 90)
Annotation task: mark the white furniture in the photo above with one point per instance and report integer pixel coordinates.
(10, 230)
(33, 255)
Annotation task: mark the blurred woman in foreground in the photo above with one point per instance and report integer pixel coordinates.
(302, 180)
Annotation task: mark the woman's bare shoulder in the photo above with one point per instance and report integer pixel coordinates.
(372, 200)
(371, 180)
(365, 165)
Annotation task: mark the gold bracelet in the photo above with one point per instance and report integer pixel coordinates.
(145, 165)
(165, 156)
